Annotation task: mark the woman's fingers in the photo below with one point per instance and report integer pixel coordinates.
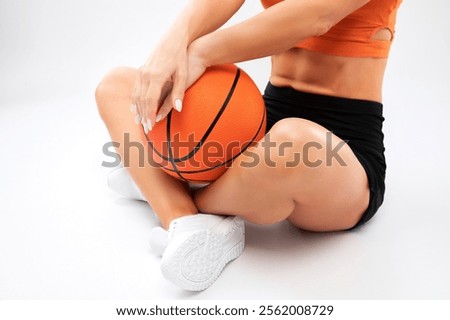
(152, 97)
(142, 100)
(164, 110)
(179, 86)
(134, 98)
(173, 95)
(140, 87)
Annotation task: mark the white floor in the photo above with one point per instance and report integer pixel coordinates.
(64, 235)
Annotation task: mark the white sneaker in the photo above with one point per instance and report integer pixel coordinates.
(120, 181)
(199, 247)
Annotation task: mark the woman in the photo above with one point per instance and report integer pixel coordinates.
(325, 92)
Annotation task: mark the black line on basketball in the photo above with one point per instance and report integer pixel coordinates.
(228, 160)
(169, 147)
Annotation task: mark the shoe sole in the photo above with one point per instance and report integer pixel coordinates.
(199, 260)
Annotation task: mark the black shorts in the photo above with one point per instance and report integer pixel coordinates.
(359, 122)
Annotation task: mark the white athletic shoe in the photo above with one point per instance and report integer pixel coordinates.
(199, 247)
(120, 181)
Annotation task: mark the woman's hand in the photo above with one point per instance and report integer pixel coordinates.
(161, 79)
(195, 68)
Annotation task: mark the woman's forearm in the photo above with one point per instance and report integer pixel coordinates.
(201, 17)
(273, 31)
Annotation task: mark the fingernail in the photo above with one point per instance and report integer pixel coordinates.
(178, 105)
(133, 108)
(145, 128)
(137, 119)
(149, 125)
(158, 118)
(142, 121)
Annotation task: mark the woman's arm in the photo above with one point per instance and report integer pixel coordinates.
(162, 79)
(275, 30)
(201, 17)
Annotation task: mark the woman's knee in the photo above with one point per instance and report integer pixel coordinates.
(297, 131)
(116, 83)
(275, 157)
(294, 144)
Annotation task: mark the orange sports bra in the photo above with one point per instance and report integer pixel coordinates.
(352, 36)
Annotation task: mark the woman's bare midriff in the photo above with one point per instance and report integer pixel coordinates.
(356, 78)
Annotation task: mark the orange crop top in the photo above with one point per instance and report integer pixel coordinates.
(352, 36)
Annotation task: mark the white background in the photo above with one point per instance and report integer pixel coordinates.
(63, 234)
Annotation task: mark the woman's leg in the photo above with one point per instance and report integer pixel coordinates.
(199, 245)
(304, 174)
(169, 197)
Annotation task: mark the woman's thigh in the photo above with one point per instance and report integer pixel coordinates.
(300, 172)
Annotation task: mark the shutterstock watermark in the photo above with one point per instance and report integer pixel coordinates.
(186, 153)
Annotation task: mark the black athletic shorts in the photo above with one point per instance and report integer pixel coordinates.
(359, 122)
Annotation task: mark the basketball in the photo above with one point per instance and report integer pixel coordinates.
(223, 114)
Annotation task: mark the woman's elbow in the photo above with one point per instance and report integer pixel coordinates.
(323, 25)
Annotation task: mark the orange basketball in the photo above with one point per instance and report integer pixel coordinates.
(223, 114)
